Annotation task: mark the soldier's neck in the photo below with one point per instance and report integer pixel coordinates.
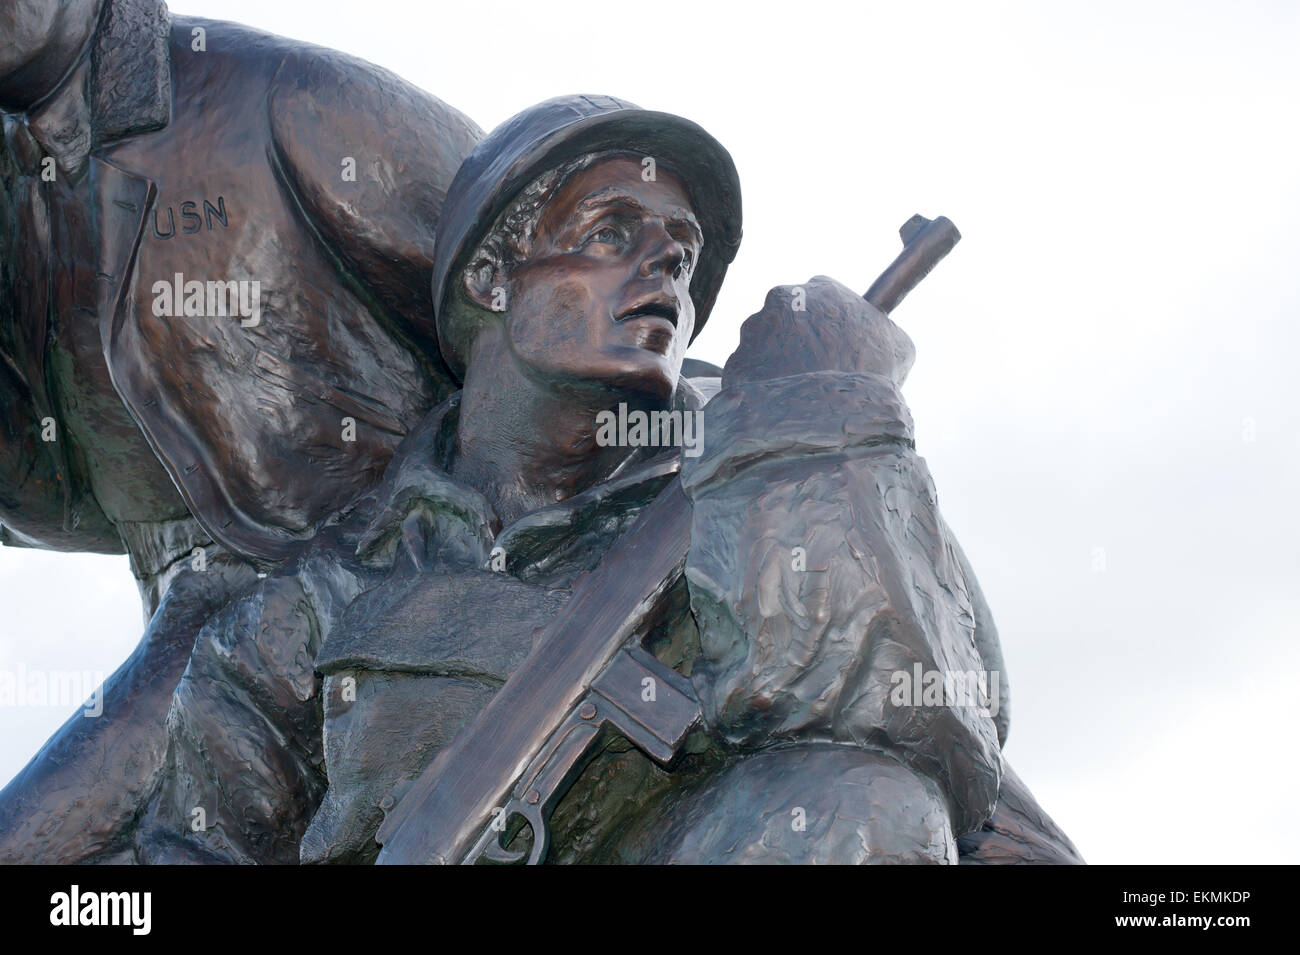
(525, 445)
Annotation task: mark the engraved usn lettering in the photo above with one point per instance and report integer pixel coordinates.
(191, 220)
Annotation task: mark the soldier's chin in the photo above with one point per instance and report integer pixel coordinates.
(642, 373)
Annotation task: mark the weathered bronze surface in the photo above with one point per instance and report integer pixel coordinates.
(400, 503)
(588, 673)
(132, 157)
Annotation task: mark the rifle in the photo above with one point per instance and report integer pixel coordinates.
(587, 675)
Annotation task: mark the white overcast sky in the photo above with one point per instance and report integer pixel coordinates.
(1106, 361)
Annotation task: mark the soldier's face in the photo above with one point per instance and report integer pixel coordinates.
(603, 296)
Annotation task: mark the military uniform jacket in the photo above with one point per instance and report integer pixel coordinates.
(193, 151)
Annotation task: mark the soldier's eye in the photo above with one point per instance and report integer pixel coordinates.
(608, 235)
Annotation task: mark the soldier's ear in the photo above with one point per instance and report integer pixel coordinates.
(483, 282)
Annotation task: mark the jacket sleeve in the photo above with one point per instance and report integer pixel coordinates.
(831, 597)
(369, 158)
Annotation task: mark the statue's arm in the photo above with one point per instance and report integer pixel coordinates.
(820, 572)
(368, 158)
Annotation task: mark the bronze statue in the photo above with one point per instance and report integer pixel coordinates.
(809, 568)
(604, 604)
(141, 148)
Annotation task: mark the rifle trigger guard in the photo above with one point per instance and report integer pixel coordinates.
(541, 787)
(535, 817)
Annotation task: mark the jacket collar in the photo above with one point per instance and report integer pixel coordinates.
(121, 88)
(549, 546)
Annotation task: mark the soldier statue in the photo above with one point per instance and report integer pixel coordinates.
(451, 554)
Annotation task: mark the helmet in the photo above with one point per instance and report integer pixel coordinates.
(551, 133)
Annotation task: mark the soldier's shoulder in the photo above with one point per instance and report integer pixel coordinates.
(199, 45)
(337, 87)
(297, 72)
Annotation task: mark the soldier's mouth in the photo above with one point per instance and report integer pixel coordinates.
(650, 310)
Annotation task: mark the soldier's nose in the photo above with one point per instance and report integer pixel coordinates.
(666, 256)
